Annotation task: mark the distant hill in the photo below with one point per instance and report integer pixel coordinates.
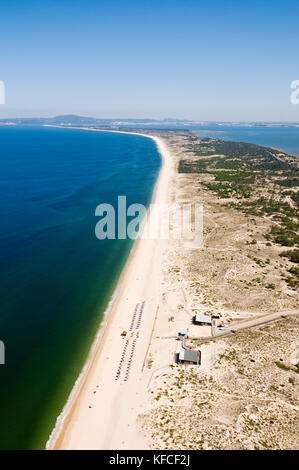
(72, 118)
(75, 120)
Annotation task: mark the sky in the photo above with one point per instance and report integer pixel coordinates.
(185, 59)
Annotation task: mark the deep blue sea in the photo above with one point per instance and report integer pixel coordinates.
(56, 277)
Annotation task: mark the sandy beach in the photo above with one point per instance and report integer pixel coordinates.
(103, 408)
(132, 394)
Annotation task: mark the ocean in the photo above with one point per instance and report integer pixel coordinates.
(56, 277)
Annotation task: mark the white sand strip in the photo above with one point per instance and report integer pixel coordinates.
(102, 410)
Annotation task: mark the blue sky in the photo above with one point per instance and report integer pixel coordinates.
(221, 60)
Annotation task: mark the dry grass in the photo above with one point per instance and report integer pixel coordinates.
(243, 394)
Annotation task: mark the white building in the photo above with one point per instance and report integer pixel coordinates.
(201, 319)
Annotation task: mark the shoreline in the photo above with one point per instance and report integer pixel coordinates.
(58, 437)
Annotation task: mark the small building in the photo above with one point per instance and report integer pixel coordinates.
(216, 316)
(222, 327)
(201, 319)
(183, 334)
(189, 356)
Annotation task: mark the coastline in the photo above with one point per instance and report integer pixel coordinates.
(67, 422)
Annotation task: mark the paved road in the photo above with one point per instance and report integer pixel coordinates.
(243, 325)
(248, 324)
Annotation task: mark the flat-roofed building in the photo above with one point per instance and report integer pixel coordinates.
(202, 319)
(189, 356)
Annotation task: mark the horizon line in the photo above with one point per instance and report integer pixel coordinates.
(146, 119)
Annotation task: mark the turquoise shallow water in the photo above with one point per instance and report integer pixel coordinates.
(56, 278)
